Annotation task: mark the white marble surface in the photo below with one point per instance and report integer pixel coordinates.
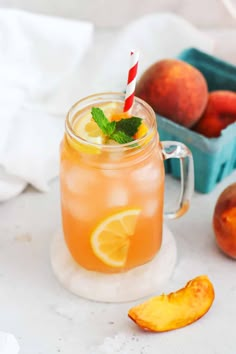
(46, 318)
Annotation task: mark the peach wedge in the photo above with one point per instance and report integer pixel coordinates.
(178, 309)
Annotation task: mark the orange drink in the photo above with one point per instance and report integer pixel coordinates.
(112, 193)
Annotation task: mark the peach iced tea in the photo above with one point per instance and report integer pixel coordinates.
(112, 187)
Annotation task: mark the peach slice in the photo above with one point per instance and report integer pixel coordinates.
(178, 309)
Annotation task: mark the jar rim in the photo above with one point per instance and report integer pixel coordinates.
(110, 97)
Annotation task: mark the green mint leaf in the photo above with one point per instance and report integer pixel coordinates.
(121, 138)
(99, 117)
(129, 125)
(111, 127)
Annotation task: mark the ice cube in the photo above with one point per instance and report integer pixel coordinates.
(146, 178)
(79, 180)
(117, 196)
(146, 173)
(81, 209)
(109, 173)
(150, 207)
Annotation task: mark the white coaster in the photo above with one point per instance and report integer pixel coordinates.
(120, 287)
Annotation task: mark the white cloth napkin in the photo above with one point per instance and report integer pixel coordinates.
(47, 63)
(38, 55)
(8, 344)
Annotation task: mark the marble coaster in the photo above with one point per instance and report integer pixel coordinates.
(137, 283)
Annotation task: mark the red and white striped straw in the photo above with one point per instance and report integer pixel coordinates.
(131, 82)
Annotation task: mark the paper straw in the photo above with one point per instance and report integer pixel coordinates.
(131, 82)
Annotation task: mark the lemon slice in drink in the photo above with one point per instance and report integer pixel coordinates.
(88, 130)
(111, 238)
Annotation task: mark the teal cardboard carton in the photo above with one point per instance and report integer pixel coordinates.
(214, 158)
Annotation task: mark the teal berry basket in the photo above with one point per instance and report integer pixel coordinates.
(214, 158)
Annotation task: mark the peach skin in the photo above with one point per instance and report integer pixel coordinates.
(224, 221)
(219, 113)
(175, 90)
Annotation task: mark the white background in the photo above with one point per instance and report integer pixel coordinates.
(113, 13)
(47, 319)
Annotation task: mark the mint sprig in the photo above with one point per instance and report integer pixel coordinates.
(121, 131)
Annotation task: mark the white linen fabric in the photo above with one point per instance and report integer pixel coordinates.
(37, 56)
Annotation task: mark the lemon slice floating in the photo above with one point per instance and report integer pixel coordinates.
(88, 130)
(110, 240)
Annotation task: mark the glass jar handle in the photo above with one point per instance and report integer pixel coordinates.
(174, 149)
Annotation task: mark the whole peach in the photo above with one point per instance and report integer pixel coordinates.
(219, 113)
(224, 221)
(174, 89)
